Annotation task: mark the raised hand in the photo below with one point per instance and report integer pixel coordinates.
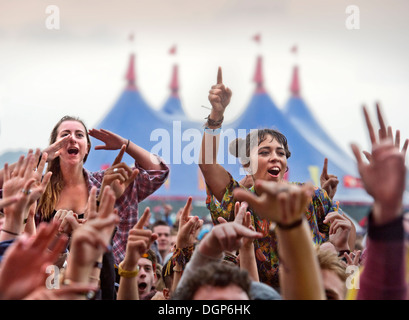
(25, 261)
(272, 204)
(226, 237)
(383, 133)
(219, 95)
(112, 140)
(384, 176)
(21, 183)
(340, 228)
(353, 258)
(8, 201)
(139, 241)
(73, 291)
(67, 219)
(188, 226)
(119, 176)
(92, 239)
(329, 182)
(242, 217)
(53, 150)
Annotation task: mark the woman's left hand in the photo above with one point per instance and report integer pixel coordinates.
(112, 140)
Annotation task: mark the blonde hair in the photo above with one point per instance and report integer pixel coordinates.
(329, 260)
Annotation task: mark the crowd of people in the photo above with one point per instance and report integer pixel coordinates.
(67, 233)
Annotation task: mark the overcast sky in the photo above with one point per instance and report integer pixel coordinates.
(79, 69)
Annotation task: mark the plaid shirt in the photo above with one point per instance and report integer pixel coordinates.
(146, 183)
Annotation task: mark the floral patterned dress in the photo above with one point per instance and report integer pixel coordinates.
(266, 249)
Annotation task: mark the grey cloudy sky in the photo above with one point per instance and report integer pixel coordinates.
(79, 69)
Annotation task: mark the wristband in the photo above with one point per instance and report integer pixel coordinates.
(213, 132)
(291, 225)
(9, 232)
(125, 273)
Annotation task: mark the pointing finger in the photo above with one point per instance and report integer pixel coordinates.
(325, 168)
(219, 76)
(118, 158)
(145, 218)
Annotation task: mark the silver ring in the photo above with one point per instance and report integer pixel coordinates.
(115, 170)
(26, 192)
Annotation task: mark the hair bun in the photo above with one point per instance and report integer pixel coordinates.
(238, 148)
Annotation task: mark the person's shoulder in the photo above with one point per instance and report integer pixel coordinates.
(262, 291)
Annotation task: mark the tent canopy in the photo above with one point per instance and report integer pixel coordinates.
(177, 139)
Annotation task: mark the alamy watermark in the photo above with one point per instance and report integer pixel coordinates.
(352, 22)
(352, 281)
(53, 280)
(186, 147)
(52, 21)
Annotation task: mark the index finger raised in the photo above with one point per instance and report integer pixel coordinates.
(118, 158)
(219, 76)
(186, 209)
(144, 218)
(325, 168)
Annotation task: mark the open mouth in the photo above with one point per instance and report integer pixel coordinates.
(73, 151)
(142, 286)
(275, 171)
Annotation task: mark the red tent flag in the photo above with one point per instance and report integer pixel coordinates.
(257, 38)
(172, 50)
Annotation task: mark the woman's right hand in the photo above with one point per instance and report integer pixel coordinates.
(219, 97)
(119, 176)
(53, 150)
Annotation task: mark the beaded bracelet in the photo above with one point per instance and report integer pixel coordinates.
(229, 257)
(214, 123)
(181, 257)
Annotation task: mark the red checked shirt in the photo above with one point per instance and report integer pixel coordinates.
(146, 183)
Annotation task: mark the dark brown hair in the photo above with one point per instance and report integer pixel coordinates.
(215, 274)
(240, 148)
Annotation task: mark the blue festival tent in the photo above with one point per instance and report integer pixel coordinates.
(298, 113)
(177, 140)
(307, 159)
(173, 138)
